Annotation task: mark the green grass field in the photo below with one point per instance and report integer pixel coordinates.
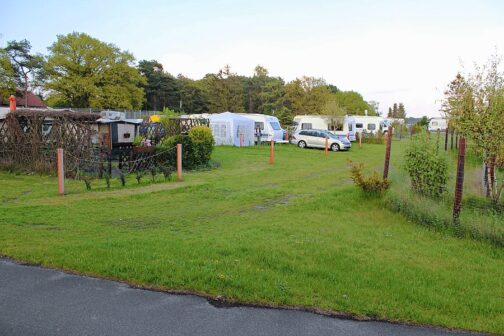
(297, 233)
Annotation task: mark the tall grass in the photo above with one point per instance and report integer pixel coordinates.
(478, 220)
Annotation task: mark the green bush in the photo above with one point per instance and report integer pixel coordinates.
(202, 142)
(373, 138)
(197, 148)
(372, 185)
(427, 169)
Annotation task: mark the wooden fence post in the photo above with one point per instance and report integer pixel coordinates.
(61, 172)
(272, 152)
(360, 139)
(387, 154)
(459, 183)
(451, 138)
(241, 139)
(326, 145)
(12, 103)
(179, 162)
(446, 140)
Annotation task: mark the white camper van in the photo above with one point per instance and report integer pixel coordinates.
(436, 124)
(343, 126)
(268, 127)
(371, 124)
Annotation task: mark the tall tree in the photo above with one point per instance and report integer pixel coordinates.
(26, 65)
(224, 91)
(162, 89)
(85, 72)
(475, 105)
(401, 111)
(192, 96)
(7, 77)
(354, 103)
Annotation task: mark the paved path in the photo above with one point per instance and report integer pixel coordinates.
(38, 301)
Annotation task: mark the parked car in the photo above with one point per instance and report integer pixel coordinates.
(317, 139)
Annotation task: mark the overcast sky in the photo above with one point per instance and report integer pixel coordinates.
(390, 51)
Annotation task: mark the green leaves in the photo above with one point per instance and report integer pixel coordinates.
(428, 170)
(85, 72)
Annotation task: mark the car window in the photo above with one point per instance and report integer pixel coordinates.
(275, 125)
(303, 133)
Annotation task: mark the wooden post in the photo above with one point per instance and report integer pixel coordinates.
(387, 153)
(179, 162)
(12, 103)
(241, 139)
(446, 140)
(451, 139)
(272, 152)
(360, 139)
(61, 172)
(326, 145)
(459, 183)
(287, 135)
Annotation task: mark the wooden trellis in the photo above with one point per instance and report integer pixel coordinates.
(29, 138)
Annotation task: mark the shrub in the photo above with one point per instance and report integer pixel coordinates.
(196, 148)
(203, 142)
(372, 185)
(427, 169)
(373, 138)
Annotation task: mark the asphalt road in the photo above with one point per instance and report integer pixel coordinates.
(38, 301)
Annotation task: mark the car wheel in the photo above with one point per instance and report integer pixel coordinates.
(302, 144)
(335, 147)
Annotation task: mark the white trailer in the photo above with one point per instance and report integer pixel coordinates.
(436, 124)
(371, 124)
(343, 126)
(267, 127)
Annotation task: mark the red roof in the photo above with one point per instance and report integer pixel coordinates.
(33, 100)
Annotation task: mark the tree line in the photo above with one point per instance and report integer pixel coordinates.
(82, 71)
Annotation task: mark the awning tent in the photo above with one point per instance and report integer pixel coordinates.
(227, 127)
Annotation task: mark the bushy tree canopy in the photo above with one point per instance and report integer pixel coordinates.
(85, 72)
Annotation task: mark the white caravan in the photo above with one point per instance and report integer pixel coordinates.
(267, 127)
(371, 124)
(436, 124)
(343, 126)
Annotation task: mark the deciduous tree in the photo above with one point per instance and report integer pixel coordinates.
(85, 72)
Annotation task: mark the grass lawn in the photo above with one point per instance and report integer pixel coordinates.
(297, 233)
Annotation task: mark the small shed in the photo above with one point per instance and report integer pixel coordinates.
(116, 133)
(227, 127)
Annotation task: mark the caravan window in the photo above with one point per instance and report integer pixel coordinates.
(306, 126)
(434, 123)
(223, 131)
(260, 125)
(359, 126)
(371, 127)
(350, 127)
(275, 125)
(335, 126)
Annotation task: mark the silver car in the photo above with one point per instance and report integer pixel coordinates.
(317, 139)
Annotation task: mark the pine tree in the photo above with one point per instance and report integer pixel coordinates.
(401, 111)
